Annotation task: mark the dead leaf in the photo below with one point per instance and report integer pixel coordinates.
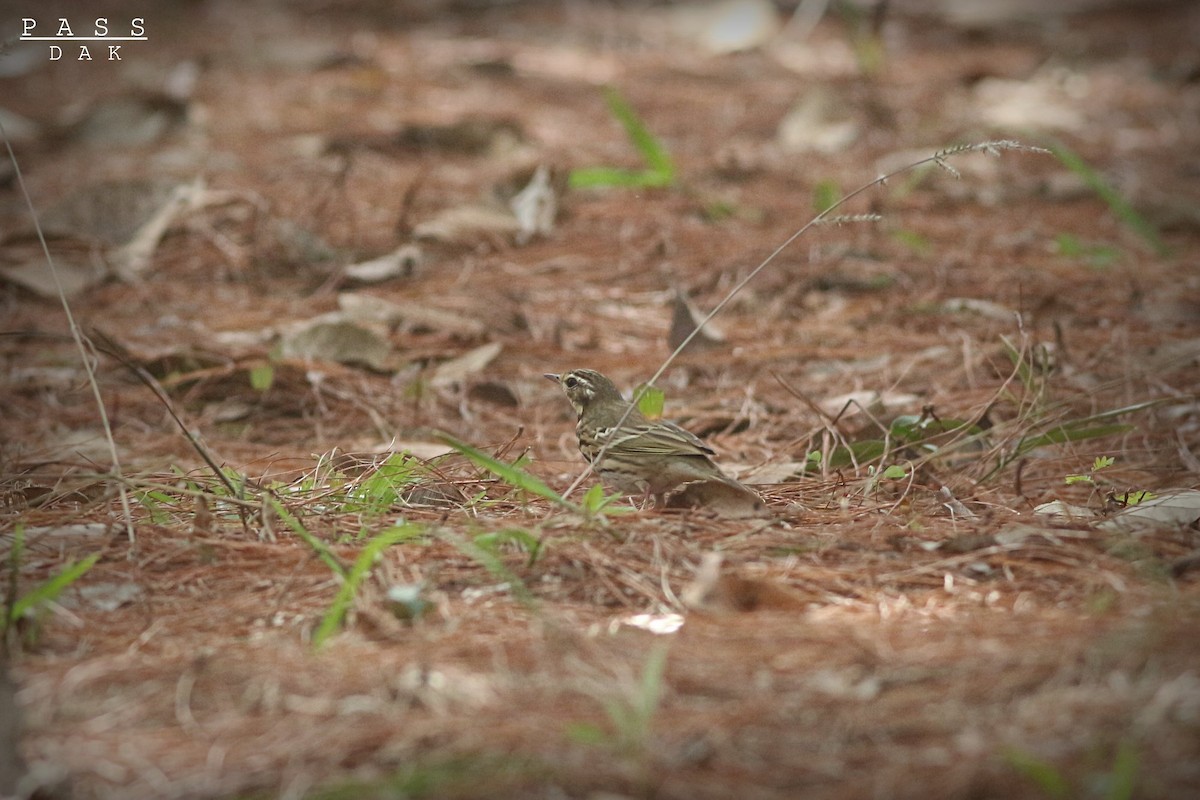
(434, 495)
(987, 309)
(535, 206)
(107, 596)
(132, 119)
(36, 276)
(468, 223)
(727, 26)
(109, 212)
(20, 130)
(781, 472)
(1065, 511)
(1048, 100)
(457, 370)
(685, 318)
(333, 338)
(817, 124)
(494, 392)
(408, 315)
(878, 404)
(715, 591)
(133, 258)
(1175, 510)
(400, 263)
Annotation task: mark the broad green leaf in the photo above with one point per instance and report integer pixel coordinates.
(858, 453)
(650, 401)
(261, 377)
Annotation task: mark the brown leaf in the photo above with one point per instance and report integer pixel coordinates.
(686, 318)
(714, 591)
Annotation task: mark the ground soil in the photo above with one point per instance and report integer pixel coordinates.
(920, 634)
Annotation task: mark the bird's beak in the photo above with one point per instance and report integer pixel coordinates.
(552, 376)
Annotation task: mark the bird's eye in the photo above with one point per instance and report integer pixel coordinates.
(570, 381)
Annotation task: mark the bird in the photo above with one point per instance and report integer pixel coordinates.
(640, 455)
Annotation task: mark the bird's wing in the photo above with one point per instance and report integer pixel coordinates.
(660, 439)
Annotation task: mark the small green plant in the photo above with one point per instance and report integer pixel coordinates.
(595, 502)
(379, 492)
(351, 577)
(19, 606)
(1100, 463)
(358, 572)
(630, 714)
(518, 537)
(659, 171)
(321, 549)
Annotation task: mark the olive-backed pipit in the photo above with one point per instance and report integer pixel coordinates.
(636, 455)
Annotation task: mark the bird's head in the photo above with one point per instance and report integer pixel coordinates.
(586, 387)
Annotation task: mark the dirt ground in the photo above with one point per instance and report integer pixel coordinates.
(904, 623)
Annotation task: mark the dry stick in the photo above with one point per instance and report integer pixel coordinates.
(113, 349)
(938, 158)
(80, 341)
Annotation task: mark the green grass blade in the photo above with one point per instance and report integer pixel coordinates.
(599, 177)
(660, 170)
(1047, 777)
(1123, 780)
(355, 576)
(1070, 433)
(513, 476)
(492, 563)
(51, 588)
(320, 548)
(652, 151)
(1116, 203)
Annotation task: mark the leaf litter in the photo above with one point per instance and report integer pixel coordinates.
(866, 637)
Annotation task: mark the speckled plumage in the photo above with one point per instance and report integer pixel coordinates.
(642, 456)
